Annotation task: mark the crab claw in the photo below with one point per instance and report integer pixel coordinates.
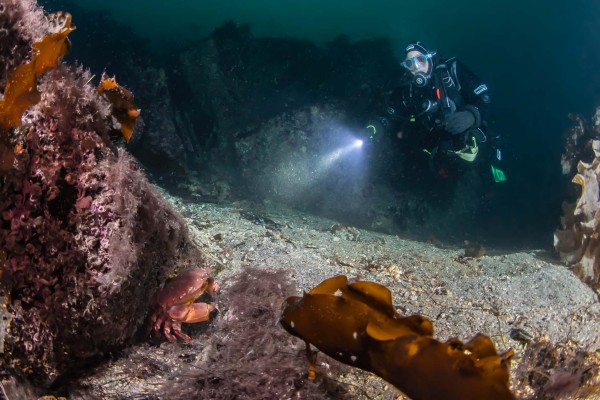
(196, 312)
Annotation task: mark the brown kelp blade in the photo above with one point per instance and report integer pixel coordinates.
(356, 323)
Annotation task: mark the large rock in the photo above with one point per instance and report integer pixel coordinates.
(578, 242)
(237, 82)
(310, 159)
(84, 238)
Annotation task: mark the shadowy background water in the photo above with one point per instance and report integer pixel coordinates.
(539, 58)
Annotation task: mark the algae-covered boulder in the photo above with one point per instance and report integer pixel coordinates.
(578, 242)
(84, 238)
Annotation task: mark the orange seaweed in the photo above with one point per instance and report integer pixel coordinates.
(21, 91)
(21, 87)
(356, 323)
(123, 107)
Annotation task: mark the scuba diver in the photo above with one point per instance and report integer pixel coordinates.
(442, 106)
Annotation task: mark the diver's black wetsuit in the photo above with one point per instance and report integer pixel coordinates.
(422, 113)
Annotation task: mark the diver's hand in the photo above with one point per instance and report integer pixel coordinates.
(376, 128)
(459, 122)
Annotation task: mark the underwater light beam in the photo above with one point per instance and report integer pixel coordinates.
(335, 155)
(301, 176)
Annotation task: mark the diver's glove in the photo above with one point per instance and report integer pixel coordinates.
(375, 128)
(461, 121)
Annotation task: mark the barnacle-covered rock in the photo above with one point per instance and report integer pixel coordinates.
(85, 238)
(21, 91)
(578, 139)
(578, 243)
(21, 24)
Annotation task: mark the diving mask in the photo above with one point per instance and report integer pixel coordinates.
(414, 64)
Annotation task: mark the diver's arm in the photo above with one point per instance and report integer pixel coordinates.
(400, 103)
(395, 114)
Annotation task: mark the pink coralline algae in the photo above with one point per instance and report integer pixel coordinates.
(84, 238)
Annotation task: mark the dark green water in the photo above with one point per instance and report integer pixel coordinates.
(540, 59)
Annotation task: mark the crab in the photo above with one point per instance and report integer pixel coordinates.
(174, 304)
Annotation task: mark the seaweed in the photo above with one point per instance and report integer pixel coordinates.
(247, 355)
(123, 108)
(356, 323)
